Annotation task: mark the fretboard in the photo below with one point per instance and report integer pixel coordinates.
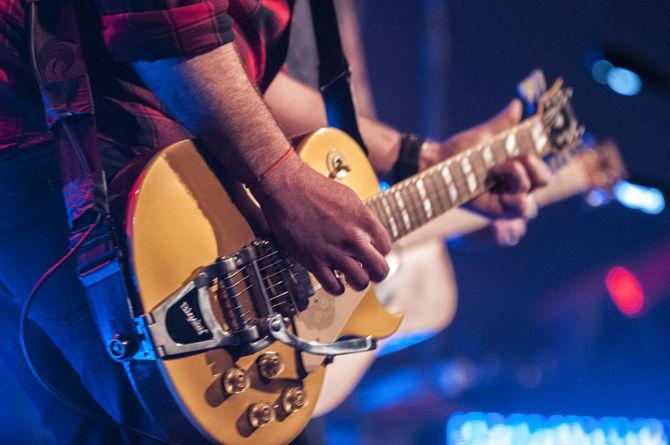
(419, 199)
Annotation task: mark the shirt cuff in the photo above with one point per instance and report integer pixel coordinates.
(173, 32)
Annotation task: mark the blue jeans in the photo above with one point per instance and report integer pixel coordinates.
(62, 336)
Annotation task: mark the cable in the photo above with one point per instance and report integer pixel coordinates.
(26, 354)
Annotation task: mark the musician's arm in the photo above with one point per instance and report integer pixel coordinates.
(299, 109)
(212, 96)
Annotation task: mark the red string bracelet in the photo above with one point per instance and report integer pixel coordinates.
(272, 168)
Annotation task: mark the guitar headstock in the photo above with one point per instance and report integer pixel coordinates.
(556, 113)
(552, 107)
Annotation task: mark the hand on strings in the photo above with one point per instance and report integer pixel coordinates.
(514, 179)
(324, 226)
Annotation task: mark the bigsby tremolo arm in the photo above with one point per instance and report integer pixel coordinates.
(279, 332)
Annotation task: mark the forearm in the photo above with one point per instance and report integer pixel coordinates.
(299, 109)
(211, 95)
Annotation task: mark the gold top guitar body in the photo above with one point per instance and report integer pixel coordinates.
(229, 353)
(181, 217)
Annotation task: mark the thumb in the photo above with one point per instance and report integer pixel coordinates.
(507, 118)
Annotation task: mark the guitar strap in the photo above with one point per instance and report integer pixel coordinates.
(334, 73)
(60, 70)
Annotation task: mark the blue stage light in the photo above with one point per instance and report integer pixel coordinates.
(623, 81)
(389, 390)
(646, 199)
(521, 429)
(398, 342)
(597, 198)
(383, 185)
(600, 69)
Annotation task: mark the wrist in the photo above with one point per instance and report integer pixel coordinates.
(277, 177)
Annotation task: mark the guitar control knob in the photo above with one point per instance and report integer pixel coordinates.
(235, 381)
(270, 365)
(260, 414)
(293, 399)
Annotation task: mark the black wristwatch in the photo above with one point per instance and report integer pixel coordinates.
(407, 163)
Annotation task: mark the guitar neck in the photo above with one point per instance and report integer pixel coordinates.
(412, 203)
(570, 180)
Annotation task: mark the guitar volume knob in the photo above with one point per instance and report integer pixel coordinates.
(270, 365)
(235, 381)
(293, 399)
(260, 414)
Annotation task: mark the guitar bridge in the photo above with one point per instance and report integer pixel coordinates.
(248, 289)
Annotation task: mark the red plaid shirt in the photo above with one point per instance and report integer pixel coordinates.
(115, 33)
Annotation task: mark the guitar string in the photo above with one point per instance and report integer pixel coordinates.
(244, 267)
(459, 181)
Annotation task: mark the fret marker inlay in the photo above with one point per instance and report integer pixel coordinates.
(466, 167)
(421, 188)
(401, 206)
(399, 200)
(453, 193)
(487, 154)
(391, 219)
(406, 220)
(539, 137)
(428, 208)
(446, 176)
(427, 205)
(394, 227)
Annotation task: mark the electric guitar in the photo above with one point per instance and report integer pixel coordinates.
(228, 352)
(422, 282)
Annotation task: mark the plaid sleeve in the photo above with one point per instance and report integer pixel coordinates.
(175, 28)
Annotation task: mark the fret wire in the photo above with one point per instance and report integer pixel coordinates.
(423, 215)
(459, 181)
(378, 210)
(399, 198)
(471, 175)
(431, 196)
(433, 193)
(406, 208)
(499, 152)
(382, 211)
(525, 140)
(479, 166)
(446, 199)
(432, 176)
(448, 186)
(386, 217)
(437, 191)
(397, 214)
(417, 207)
(394, 220)
(375, 205)
(452, 189)
(390, 199)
